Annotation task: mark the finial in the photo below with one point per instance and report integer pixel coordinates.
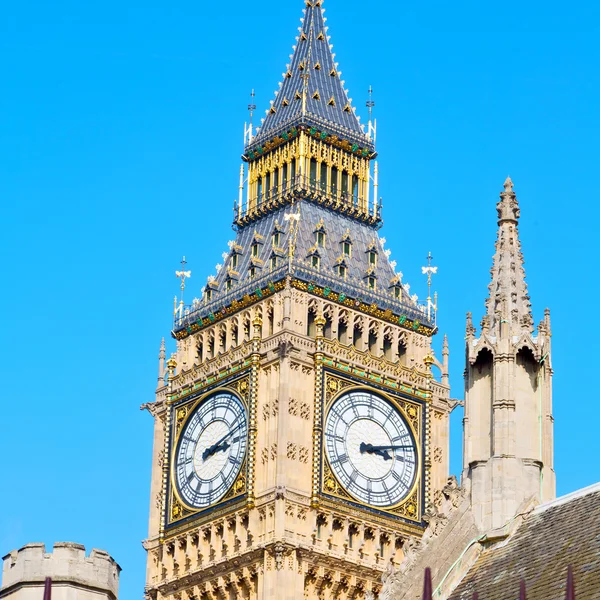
(161, 363)
(372, 125)
(470, 328)
(48, 588)
(370, 102)
(429, 271)
(171, 366)
(570, 595)
(522, 591)
(508, 207)
(427, 587)
(183, 275)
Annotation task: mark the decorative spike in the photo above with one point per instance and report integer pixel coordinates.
(427, 587)
(570, 595)
(48, 589)
(522, 591)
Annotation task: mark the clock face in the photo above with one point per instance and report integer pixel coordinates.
(370, 448)
(211, 449)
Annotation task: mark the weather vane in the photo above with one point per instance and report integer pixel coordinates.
(372, 125)
(429, 271)
(182, 275)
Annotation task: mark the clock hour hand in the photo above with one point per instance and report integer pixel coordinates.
(218, 445)
(380, 450)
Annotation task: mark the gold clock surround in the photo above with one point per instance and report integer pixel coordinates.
(411, 506)
(177, 509)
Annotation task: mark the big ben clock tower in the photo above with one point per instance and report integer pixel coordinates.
(300, 433)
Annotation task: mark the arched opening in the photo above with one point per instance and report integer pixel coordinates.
(313, 171)
(323, 176)
(311, 328)
(402, 355)
(373, 343)
(334, 180)
(387, 348)
(357, 337)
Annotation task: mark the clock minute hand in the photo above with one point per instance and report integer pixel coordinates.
(215, 447)
(389, 447)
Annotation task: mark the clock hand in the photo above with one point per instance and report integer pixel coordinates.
(380, 450)
(390, 447)
(215, 447)
(224, 445)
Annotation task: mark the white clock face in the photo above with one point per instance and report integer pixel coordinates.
(370, 449)
(211, 450)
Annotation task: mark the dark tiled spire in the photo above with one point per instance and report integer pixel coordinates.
(311, 92)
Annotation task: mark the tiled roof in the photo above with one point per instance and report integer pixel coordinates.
(561, 533)
(327, 103)
(336, 228)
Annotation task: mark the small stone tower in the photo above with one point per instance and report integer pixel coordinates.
(74, 575)
(508, 424)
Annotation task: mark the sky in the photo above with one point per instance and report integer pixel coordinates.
(121, 129)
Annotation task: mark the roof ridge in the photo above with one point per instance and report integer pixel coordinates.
(590, 489)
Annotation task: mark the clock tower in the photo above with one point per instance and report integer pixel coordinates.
(300, 432)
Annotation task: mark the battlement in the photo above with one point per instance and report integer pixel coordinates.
(93, 577)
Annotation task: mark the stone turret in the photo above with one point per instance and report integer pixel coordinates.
(74, 575)
(508, 424)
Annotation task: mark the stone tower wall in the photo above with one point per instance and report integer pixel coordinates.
(75, 576)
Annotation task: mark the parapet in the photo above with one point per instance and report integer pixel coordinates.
(94, 576)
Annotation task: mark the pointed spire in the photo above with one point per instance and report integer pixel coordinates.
(161, 363)
(311, 92)
(508, 302)
(522, 591)
(48, 589)
(570, 595)
(427, 587)
(445, 361)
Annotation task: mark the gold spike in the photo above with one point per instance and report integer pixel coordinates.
(285, 102)
(288, 75)
(333, 73)
(301, 66)
(272, 110)
(298, 96)
(316, 95)
(347, 108)
(317, 66)
(331, 101)
(321, 36)
(303, 37)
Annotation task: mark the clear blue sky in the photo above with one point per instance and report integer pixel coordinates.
(120, 136)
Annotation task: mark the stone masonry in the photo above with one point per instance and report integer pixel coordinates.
(75, 576)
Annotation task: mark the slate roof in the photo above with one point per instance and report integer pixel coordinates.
(327, 102)
(337, 228)
(557, 534)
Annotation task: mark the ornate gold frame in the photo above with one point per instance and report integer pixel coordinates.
(413, 412)
(177, 509)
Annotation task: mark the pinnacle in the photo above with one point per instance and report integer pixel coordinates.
(508, 185)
